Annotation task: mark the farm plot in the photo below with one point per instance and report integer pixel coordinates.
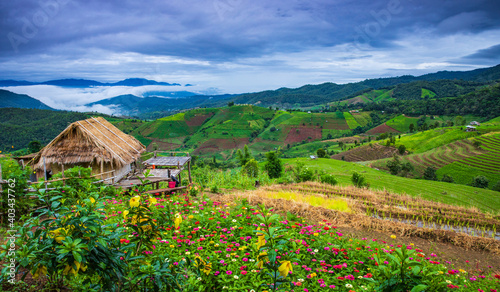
(410, 210)
(363, 118)
(402, 123)
(351, 121)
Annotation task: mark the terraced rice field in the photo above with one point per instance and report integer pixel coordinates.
(489, 161)
(445, 155)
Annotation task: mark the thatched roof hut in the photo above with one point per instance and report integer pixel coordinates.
(93, 143)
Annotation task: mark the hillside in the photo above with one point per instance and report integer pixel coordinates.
(152, 107)
(436, 85)
(18, 127)
(220, 131)
(454, 152)
(14, 100)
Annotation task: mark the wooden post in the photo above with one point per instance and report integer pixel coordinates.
(189, 171)
(102, 169)
(45, 172)
(64, 181)
(113, 178)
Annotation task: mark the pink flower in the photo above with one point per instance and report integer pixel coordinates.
(229, 272)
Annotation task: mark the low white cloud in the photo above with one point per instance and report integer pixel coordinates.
(75, 99)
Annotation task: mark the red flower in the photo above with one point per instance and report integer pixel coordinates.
(326, 228)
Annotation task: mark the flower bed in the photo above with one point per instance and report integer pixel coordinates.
(188, 243)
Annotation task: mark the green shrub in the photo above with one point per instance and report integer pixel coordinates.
(303, 173)
(359, 180)
(251, 168)
(480, 182)
(430, 173)
(328, 179)
(496, 187)
(321, 153)
(447, 178)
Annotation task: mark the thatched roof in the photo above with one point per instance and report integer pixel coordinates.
(94, 140)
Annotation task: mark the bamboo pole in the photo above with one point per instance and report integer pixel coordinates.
(189, 171)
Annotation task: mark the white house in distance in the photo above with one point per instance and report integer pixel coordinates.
(474, 123)
(470, 128)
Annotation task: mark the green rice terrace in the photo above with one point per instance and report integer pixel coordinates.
(221, 130)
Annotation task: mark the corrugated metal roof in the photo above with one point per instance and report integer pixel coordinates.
(168, 161)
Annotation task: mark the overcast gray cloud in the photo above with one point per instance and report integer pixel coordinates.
(243, 45)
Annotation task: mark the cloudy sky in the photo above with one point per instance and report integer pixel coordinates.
(243, 45)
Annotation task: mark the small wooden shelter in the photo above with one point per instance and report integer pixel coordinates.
(93, 143)
(168, 166)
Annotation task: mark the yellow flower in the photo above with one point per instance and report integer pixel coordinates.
(171, 246)
(313, 275)
(134, 201)
(70, 269)
(261, 257)
(393, 236)
(125, 213)
(261, 240)
(316, 234)
(204, 267)
(92, 200)
(177, 220)
(59, 234)
(40, 271)
(461, 271)
(152, 201)
(190, 216)
(285, 268)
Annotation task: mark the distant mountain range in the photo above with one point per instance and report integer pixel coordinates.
(156, 104)
(134, 82)
(14, 100)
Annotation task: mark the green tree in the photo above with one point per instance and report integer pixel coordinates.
(341, 145)
(321, 153)
(394, 165)
(430, 173)
(402, 149)
(480, 182)
(244, 156)
(34, 146)
(251, 168)
(230, 104)
(273, 166)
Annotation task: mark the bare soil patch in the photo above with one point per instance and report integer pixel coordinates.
(299, 134)
(382, 129)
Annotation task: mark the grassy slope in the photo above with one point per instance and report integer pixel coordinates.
(427, 140)
(402, 123)
(485, 200)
